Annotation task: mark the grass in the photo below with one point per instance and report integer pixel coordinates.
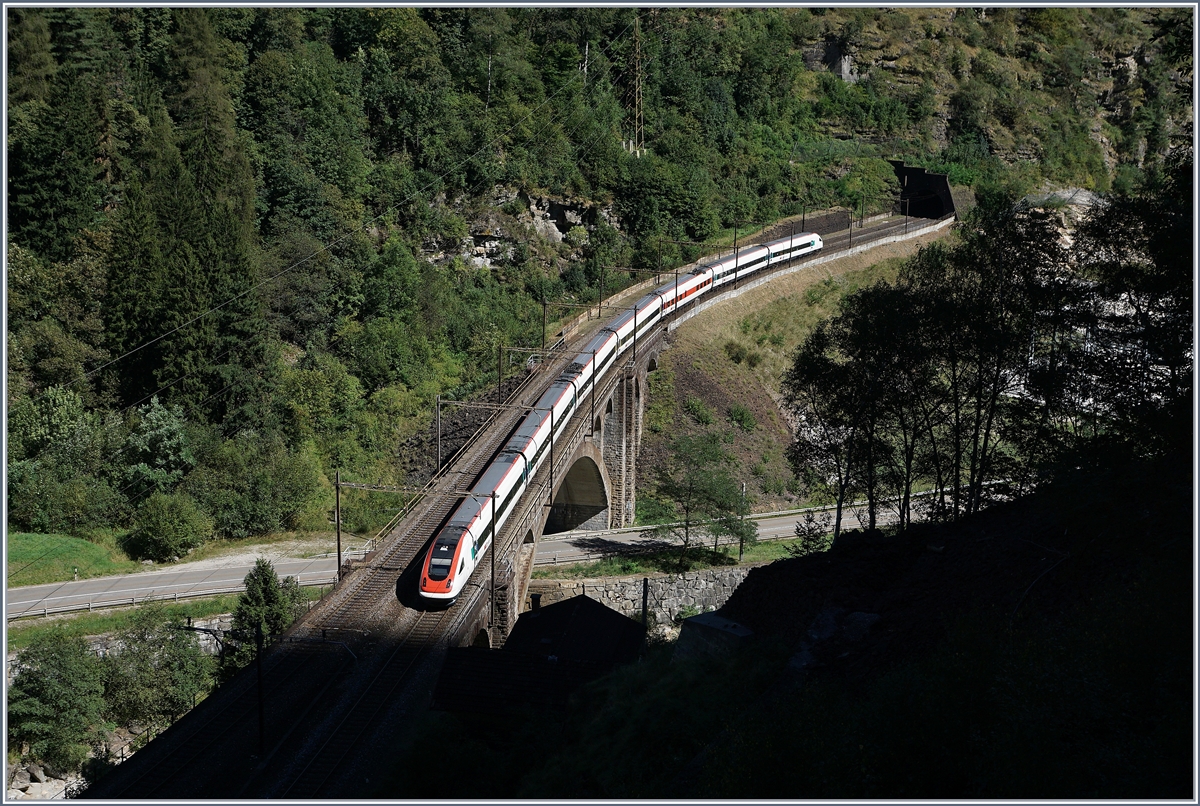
(35, 559)
(777, 317)
(22, 632)
(708, 370)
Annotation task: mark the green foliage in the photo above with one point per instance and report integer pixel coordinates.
(35, 425)
(735, 351)
(701, 413)
(199, 192)
(55, 321)
(707, 500)
(56, 702)
(31, 63)
(268, 604)
(742, 417)
(157, 672)
(157, 449)
(812, 535)
(660, 400)
(576, 237)
(24, 632)
(167, 527)
(55, 167)
(252, 485)
(46, 496)
(685, 613)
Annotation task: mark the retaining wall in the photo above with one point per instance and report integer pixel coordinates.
(669, 594)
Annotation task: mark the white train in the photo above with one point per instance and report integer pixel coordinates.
(468, 533)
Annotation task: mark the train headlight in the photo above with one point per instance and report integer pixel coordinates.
(448, 583)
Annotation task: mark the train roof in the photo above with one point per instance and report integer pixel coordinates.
(597, 341)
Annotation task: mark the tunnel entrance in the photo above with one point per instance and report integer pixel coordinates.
(581, 502)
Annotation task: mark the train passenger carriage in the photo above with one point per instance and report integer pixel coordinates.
(471, 528)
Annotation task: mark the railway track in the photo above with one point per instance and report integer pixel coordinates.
(385, 642)
(343, 736)
(397, 638)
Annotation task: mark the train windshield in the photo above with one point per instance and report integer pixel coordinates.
(442, 555)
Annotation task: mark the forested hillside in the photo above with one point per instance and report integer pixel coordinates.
(246, 247)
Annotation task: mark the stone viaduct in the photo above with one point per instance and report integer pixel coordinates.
(589, 483)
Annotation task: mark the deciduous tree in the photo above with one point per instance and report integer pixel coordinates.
(56, 701)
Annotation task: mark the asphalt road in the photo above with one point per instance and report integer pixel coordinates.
(183, 583)
(565, 548)
(574, 547)
(169, 585)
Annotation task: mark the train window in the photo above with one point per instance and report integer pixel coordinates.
(443, 553)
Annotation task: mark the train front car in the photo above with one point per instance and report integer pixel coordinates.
(445, 570)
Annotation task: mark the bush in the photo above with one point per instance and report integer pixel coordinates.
(159, 671)
(252, 485)
(742, 418)
(576, 237)
(753, 358)
(773, 485)
(168, 526)
(686, 612)
(46, 496)
(735, 351)
(700, 412)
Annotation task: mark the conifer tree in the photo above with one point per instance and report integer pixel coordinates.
(269, 604)
(134, 301)
(204, 114)
(188, 346)
(241, 371)
(30, 62)
(52, 184)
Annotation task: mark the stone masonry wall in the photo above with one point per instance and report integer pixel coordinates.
(668, 595)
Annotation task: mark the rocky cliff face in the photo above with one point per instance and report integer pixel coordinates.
(1018, 80)
(552, 227)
